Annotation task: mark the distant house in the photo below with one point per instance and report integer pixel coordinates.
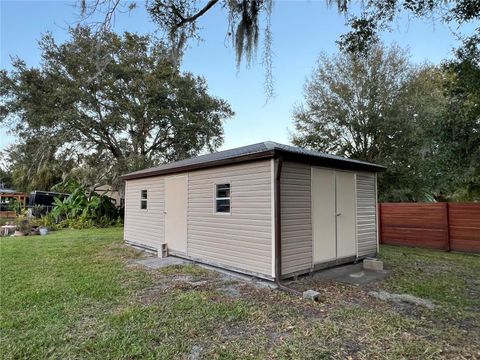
(267, 209)
(107, 190)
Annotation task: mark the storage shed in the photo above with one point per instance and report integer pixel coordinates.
(268, 210)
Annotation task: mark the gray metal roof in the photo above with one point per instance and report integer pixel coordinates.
(7, 191)
(266, 149)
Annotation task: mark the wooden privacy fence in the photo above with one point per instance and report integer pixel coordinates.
(446, 226)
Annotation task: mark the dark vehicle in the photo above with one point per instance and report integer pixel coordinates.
(44, 199)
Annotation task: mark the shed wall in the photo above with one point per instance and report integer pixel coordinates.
(296, 217)
(243, 238)
(366, 214)
(145, 227)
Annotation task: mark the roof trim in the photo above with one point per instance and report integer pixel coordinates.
(264, 150)
(345, 164)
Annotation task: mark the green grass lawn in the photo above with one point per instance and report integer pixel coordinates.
(76, 295)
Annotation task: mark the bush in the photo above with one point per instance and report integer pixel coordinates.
(49, 222)
(38, 210)
(82, 211)
(23, 224)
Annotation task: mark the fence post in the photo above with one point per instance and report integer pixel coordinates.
(447, 213)
(379, 216)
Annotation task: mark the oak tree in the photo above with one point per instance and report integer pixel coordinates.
(114, 103)
(373, 108)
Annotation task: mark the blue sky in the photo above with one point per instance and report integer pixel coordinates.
(301, 30)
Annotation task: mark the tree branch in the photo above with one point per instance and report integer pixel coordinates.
(192, 18)
(157, 141)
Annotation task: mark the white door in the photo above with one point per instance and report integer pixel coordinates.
(176, 199)
(345, 214)
(323, 211)
(333, 214)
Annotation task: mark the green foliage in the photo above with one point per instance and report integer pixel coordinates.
(100, 106)
(34, 164)
(38, 210)
(49, 222)
(5, 174)
(16, 206)
(421, 123)
(22, 223)
(36, 222)
(374, 108)
(378, 16)
(82, 210)
(67, 187)
(457, 132)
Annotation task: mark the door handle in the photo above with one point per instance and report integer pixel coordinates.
(339, 213)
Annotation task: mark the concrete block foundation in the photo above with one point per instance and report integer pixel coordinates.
(311, 295)
(373, 264)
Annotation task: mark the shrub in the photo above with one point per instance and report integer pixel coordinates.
(38, 210)
(23, 224)
(81, 210)
(49, 222)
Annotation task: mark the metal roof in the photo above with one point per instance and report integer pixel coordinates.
(266, 149)
(8, 191)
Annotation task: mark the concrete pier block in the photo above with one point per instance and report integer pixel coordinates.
(373, 264)
(311, 295)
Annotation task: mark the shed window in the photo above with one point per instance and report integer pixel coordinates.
(143, 200)
(222, 198)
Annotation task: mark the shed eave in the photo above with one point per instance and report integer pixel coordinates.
(339, 163)
(210, 164)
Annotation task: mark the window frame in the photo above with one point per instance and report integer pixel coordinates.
(144, 200)
(216, 198)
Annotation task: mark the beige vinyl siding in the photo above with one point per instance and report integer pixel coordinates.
(366, 215)
(296, 217)
(243, 238)
(145, 227)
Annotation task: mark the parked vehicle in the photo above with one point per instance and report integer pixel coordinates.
(46, 199)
